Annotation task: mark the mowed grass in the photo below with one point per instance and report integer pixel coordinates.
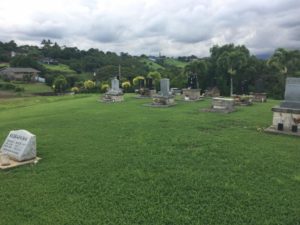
(32, 88)
(129, 164)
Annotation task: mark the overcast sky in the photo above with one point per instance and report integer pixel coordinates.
(172, 27)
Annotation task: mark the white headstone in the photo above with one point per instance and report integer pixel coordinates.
(20, 145)
(115, 84)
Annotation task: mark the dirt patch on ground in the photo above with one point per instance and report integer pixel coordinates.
(7, 94)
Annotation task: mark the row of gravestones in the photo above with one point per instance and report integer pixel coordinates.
(20, 145)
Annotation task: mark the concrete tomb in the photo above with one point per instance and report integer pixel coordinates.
(286, 116)
(164, 99)
(192, 92)
(148, 90)
(114, 94)
(221, 105)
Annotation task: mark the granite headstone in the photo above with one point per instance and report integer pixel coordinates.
(292, 93)
(20, 145)
(115, 85)
(165, 87)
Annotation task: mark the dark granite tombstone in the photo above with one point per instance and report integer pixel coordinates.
(149, 83)
(142, 83)
(292, 94)
(192, 81)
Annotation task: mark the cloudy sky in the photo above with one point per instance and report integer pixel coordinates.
(172, 27)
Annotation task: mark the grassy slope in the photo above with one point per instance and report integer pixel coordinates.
(174, 62)
(31, 88)
(129, 164)
(152, 65)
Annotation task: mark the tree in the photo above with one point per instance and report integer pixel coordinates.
(198, 68)
(231, 62)
(285, 61)
(155, 75)
(60, 84)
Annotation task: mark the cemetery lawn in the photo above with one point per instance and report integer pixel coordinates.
(129, 164)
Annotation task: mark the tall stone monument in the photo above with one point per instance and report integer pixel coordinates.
(114, 94)
(192, 92)
(286, 116)
(164, 99)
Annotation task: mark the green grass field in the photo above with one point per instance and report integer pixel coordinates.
(32, 88)
(129, 164)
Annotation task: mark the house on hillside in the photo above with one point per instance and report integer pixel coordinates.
(22, 74)
(49, 61)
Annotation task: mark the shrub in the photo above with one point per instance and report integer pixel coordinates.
(137, 79)
(126, 85)
(19, 89)
(89, 85)
(75, 90)
(7, 86)
(104, 87)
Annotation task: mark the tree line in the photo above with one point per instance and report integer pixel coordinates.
(230, 67)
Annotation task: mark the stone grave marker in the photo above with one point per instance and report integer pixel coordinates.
(165, 87)
(20, 145)
(286, 116)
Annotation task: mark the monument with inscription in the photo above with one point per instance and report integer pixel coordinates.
(19, 147)
(192, 92)
(164, 99)
(114, 94)
(286, 116)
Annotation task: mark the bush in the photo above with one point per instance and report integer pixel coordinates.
(137, 79)
(75, 90)
(19, 89)
(7, 86)
(126, 86)
(104, 87)
(89, 85)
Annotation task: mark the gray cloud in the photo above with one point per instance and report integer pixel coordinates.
(174, 27)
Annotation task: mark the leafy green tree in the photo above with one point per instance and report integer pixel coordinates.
(60, 84)
(198, 68)
(285, 61)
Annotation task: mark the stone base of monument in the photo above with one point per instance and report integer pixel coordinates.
(110, 98)
(285, 121)
(242, 100)
(259, 97)
(146, 93)
(12, 163)
(221, 105)
(191, 95)
(162, 101)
